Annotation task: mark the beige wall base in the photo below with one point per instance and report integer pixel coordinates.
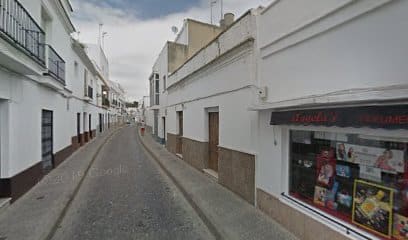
(171, 143)
(301, 225)
(236, 171)
(195, 153)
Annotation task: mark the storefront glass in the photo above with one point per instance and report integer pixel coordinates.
(359, 179)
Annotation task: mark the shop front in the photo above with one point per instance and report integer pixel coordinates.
(350, 166)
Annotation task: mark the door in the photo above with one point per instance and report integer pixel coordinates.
(84, 122)
(213, 140)
(156, 123)
(108, 116)
(79, 127)
(179, 144)
(90, 126)
(47, 140)
(164, 129)
(100, 122)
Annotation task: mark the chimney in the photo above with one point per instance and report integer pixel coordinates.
(227, 21)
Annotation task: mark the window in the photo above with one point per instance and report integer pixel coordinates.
(76, 69)
(157, 84)
(164, 83)
(356, 178)
(151, 93)
(85, 82)
(157, 89)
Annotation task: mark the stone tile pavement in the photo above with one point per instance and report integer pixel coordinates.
(226, 214)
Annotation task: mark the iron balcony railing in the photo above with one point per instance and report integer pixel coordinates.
(19, 28)
(105, 102)
(55, 65)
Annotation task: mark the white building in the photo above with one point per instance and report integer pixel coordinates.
(117, 103)
(112, 93)
(272, 103)
(335, 74)
(50, 92)
(192, 37)
(209, 124)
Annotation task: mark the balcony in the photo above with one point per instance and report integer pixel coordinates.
(19, 29)
(88, 95)
(55, 65)
(105, 102)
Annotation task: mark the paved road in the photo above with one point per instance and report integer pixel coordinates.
(126, 196)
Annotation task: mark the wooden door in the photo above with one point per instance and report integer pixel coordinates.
(213, 140)
(179, 145)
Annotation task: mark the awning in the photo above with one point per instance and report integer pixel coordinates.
(387, 117)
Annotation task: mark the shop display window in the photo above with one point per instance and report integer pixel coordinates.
(360, 179)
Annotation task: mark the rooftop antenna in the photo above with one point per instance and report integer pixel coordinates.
(212, 2)
(103, 40)
(100, 34)
(222, 9)
(174, 29)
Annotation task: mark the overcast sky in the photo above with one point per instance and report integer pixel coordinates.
(138, 29)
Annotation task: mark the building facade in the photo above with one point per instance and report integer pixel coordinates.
(209, 125)
(191, 38)
(301, 109)
(333, 127)
(50, 92)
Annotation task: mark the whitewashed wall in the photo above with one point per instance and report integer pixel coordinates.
(227, 83)
(161, 67)
(22, 100)
(360, 44)
(239, 32)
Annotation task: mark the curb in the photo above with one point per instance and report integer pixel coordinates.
(56, 225)
(213, 229)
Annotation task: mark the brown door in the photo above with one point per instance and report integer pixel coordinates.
(179, 147)
(213, 140)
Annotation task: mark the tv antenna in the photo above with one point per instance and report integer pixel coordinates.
(212, 3)
(174, 29)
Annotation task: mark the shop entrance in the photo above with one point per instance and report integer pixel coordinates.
(47, 140)
(179, 145)
(213, 140)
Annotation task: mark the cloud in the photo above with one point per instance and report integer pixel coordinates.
(133, 43)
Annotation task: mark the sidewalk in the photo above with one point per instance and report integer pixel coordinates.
(227, 215)
(35, 214)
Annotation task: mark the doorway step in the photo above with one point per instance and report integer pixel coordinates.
(211, 173)
(4, 204)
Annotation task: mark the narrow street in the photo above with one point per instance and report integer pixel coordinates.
(127, 196)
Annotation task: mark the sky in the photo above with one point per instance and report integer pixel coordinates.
(138, 29)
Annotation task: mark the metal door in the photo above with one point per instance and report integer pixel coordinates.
(47, 140)
(79, 127)
(90, 125)
(100, 122)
